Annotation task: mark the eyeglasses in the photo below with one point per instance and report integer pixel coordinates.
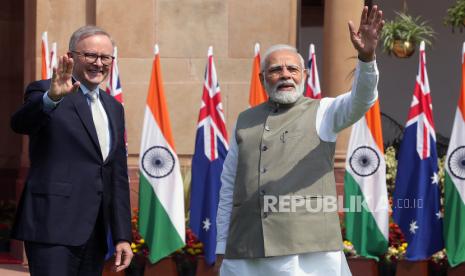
(92, 58)
(277, 71)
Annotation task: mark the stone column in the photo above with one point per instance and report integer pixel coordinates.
(339, 58)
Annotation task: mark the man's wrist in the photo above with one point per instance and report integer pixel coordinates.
(56, 99)
(368, 58)
(122, 241)
(49, 103)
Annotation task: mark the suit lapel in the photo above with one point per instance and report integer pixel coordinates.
(83, 110)
(111, 113)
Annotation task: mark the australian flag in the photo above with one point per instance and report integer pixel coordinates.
(416, 199)
(211, 147)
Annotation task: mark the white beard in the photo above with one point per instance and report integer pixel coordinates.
(285, 97)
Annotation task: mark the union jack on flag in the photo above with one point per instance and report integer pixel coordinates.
(53, 58)
(416, 199)
(211, 147)
(312, 89)
(421, 111)
(114, 85)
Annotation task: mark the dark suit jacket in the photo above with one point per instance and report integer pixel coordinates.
(68, 180)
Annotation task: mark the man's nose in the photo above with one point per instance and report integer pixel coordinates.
(286, 74)
(98, 61)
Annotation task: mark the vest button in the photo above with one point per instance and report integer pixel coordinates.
(267, 128)
(264, 148)
(262, 192)
(263, 170)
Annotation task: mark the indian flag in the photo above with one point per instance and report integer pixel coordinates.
(454, 186)
(161, 193)
(365, 193)
(45, 61)
(257, 94)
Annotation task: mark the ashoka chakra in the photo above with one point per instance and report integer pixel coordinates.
(364, 161)
(158, 162)
(456, 162)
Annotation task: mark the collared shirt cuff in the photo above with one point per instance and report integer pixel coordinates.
(367, 66)
(49, 104)
(220, 248)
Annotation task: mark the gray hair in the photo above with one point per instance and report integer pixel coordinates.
(84, 32)
(279, 47)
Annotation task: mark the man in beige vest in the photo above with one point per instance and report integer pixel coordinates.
(275, 215)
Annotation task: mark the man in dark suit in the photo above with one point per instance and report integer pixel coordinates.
(77, 188)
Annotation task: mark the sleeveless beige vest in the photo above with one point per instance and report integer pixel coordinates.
(281, 154)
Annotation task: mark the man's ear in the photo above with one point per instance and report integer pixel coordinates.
(304, 74)
(262, 79)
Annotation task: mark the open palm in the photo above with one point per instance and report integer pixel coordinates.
(62, 84)
(366, 38)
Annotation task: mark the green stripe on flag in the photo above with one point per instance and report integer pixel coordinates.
(454, 223)
(155, 226)
(361, 227)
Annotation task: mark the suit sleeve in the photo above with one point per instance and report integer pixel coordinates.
(31, 117)
(121, 207)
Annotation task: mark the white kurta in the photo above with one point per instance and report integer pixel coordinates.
(333, 115)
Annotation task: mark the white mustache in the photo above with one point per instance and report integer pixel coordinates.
(281, 82)
(285, 97)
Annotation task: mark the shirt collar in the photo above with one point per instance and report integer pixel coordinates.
(86, 90)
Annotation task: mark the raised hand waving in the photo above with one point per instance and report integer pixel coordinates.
(366, 38)
(62, 83)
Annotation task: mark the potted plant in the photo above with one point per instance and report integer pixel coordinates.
(7, 213)
(139, 248)
(186, 257)
(438, 263)
(456, 15)
(401, 35)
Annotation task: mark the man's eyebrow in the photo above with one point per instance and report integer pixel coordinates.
(273, 66)
(95, 53)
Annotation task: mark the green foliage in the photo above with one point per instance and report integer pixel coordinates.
(391, 168)
(406, 28)
(456, 15)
